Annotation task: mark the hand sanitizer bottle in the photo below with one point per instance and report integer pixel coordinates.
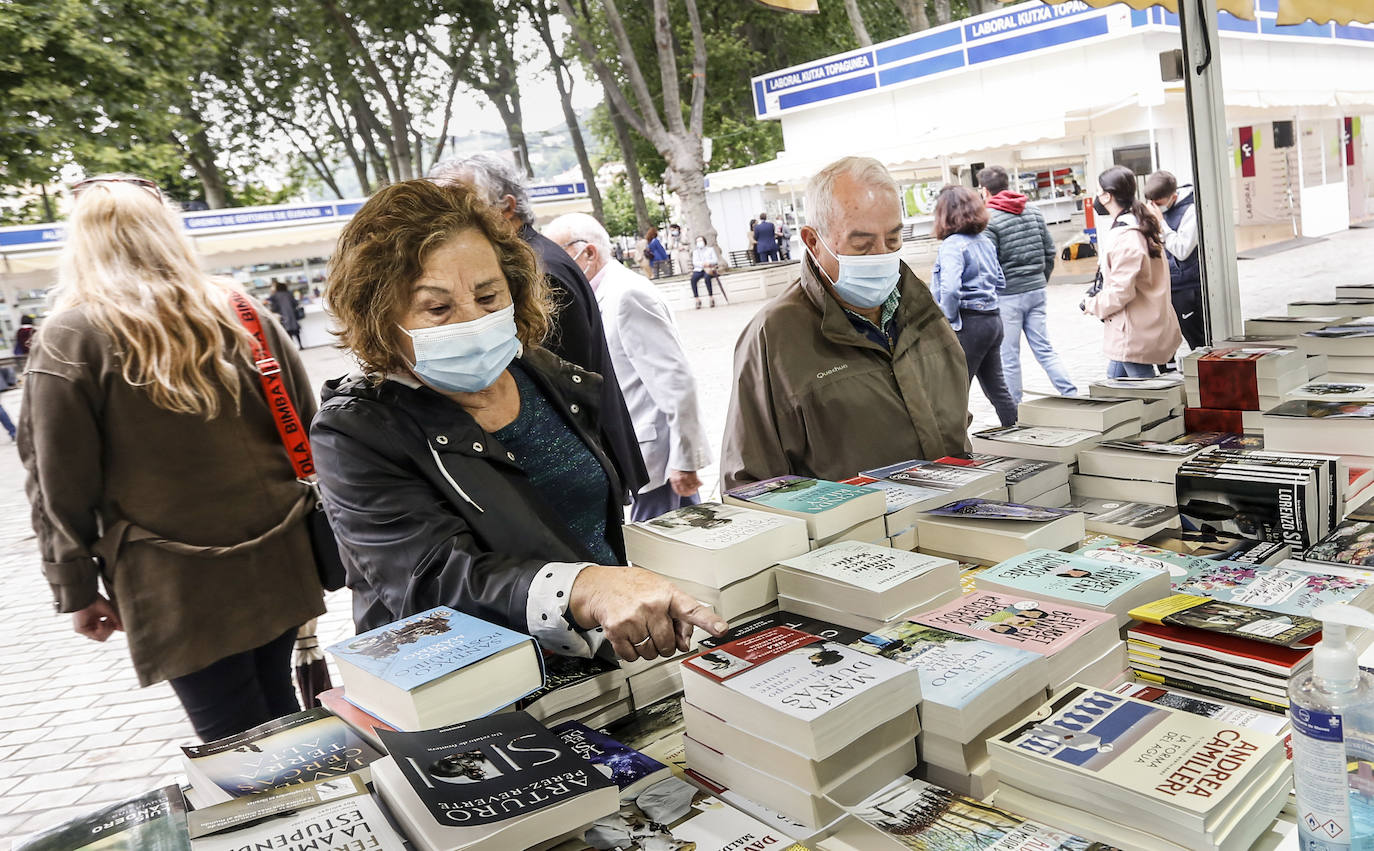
(1331, 706)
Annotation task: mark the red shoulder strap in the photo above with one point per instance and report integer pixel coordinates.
(293, 435)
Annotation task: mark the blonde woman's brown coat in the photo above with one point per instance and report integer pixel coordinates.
(194, 527)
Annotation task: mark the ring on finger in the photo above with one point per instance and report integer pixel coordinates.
(646, 640)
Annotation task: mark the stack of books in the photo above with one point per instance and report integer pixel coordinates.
(1346, 344)
(989, 531)
(1113, 418)
(1078, 644)
(1112, 588)
(902, 503)
(1361, 305)
(437, 667)
(1137, 470)
(1122, 517)
(956, 481)
(1040, 443)
(1289, 328)
(442, 785)
(1272, 496)
(1163, 395)
(1033, 482)
(1350, 546)
(1344, 427)
(832, 511)
(722, 555)
(1229, 386)
(595, 691)
(969, 689)
(1141, 775)
(864, 586)
(1219, 545)
(759, 707)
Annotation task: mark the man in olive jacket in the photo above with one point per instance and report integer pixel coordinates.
(1026, 251)
(827, 385)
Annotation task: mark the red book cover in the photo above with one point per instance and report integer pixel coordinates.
(1213, 419)
(1229, 645)
(360, 720)
(1227, 379)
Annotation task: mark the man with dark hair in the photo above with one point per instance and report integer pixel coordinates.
(1173, 206)
(767, 236)
(1026, 251)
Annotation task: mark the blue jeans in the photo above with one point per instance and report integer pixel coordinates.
(6, 422)
(1126, 369)
(1025, 312)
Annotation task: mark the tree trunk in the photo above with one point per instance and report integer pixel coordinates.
(632, 178)
(48, 215)
(201, 157)
(399, 148)
(915, 13)
(584, 162)
(942, 12)
(686, 176)
(856, 21)
(508, 106)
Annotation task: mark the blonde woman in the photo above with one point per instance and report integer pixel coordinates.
(155, 468)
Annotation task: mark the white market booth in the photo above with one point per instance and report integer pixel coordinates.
(1058, 93)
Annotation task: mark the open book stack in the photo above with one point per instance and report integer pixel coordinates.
(1228, 386)
(1077, 643)
(723, 555)
(989, 531)
(832, 511)
(1274, 496)
(777, 716)
(864, 586)
(969, 689)
(1141, 775)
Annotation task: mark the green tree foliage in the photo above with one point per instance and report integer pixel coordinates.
(620, 219)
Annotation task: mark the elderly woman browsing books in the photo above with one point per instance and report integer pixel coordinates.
(462, 468)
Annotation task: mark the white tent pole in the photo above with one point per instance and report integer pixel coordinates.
(1150, 119)
(1197, 19)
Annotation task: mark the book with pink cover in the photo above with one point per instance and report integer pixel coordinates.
(1041, 626)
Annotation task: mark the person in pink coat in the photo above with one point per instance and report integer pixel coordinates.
(1131, 293)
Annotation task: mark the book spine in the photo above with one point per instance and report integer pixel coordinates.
(1210, 691)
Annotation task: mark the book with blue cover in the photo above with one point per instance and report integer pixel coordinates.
(420, 671)
(827, 507)
(631, 770)
(1098, 585)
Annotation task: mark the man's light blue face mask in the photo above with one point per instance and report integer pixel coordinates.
(866, 280)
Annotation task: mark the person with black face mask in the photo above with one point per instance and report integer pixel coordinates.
(1131, 293)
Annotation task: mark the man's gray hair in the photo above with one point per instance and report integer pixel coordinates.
(820, 191)
(493, 176)
(580, 227)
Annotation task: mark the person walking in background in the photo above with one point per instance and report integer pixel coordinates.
(7, 423)
(23, 341)
(1172, 207)
(652, 367)
(1131, 294)
(1025, 251)
(753, 242)
(705, 264)
(766, 240)
(966, 283)
(784, 239)
(155, 466)
(283, 303)
(658, 255)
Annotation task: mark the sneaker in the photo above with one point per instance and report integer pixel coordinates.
(713, 302)
(698, 304)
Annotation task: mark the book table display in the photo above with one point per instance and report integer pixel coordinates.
(1077, 637)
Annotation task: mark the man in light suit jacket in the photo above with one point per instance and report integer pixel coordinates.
(650, 364)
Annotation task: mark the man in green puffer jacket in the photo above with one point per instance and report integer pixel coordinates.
(1026, 251)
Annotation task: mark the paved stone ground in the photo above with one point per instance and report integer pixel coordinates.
(75, 730)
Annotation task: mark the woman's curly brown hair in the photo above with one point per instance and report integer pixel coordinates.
(382, 252)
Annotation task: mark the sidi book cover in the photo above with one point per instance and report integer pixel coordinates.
(1041, 626)
(490, 769)
(297, 748)
(955, 669)
(1065, 576)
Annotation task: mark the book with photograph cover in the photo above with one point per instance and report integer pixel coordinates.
(827, 507)
(1080, 581)
(714, 544)
(631, 770)
(923, 817)
(1323, 409)
(1168, 448)
(990, 509)
(1016, 470)
(448, 780)
(1208, 615)
(1334, 391)
(1352, 544)
(1119, 517)
(1264, 722)
(791, 620)
(1219, 545)
(153, 821)
(712, 525)
(298, 748)
(1280, 508)
(1223, 439)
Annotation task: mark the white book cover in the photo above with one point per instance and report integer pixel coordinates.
(714, 525)
(866, 566)
(717, 826)
(1039, 435)
(793, 672)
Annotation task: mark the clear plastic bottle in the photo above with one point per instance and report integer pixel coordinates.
(1331, 706)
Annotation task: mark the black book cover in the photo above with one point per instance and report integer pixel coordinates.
(1327, 468)
(490, 769)
(1250, 508)
(801, 623)
(563, 671)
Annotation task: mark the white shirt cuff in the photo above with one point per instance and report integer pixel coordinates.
(546, 612)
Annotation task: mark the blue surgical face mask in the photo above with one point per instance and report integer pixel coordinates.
(464, 357)
(866, 280)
